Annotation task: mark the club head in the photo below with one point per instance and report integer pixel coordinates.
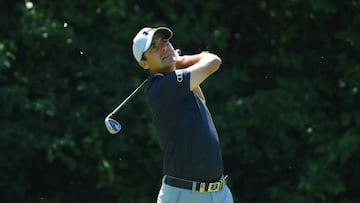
(112, 125)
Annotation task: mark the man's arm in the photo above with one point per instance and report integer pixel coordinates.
(201, 66)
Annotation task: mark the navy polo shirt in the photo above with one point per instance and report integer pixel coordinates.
(186, 131)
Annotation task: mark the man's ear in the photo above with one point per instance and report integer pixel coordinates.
(143, 64)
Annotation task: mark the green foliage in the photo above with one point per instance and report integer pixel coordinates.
(285, 102)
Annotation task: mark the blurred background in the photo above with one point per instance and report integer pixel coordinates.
(285, 100)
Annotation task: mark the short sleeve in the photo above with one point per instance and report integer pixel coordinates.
(169, 88)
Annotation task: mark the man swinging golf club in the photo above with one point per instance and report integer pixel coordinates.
(193, 166)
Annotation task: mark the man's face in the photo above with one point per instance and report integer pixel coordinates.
(160, 57)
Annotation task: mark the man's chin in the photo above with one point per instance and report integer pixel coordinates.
(170, 59)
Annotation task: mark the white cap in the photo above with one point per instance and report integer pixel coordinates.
(142, 40)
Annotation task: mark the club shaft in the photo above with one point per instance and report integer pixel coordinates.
(128, 98)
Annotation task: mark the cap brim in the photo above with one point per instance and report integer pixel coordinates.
(165, 31)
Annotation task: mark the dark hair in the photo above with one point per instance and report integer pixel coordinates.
(143, 57)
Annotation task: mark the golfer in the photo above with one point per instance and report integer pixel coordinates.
(192, 162)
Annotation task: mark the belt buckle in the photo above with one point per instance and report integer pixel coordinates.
(214, 187)
(202, 187)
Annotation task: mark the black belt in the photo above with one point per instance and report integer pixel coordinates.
(199, 186)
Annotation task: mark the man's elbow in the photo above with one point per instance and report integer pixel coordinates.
(216, 62)
(213, 61)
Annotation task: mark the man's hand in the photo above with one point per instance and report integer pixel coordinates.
(180, 62)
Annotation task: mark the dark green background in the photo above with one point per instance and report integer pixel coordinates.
(285, 100)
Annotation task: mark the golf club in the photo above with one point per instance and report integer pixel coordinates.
(111, 124)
